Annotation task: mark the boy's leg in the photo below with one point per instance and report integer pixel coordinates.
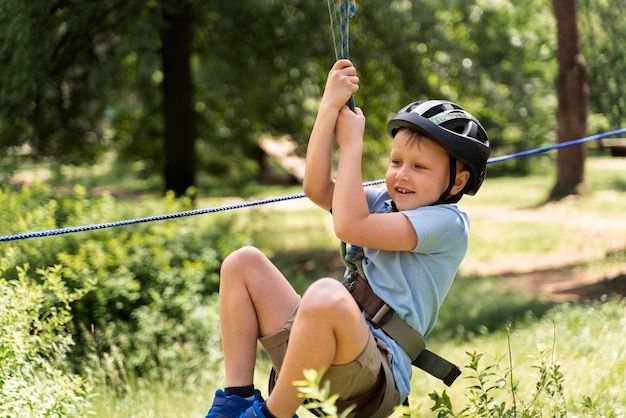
(328, 330)
(255, 300)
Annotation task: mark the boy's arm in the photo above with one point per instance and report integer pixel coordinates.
(351, 217)
(318, 185)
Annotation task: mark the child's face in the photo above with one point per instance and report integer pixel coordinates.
(418, 170)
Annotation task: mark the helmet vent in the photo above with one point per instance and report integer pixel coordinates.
(469, 129)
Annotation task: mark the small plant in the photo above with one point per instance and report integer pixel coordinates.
(489, 385)
(319, 398)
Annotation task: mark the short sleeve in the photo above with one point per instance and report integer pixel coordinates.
(438, 228)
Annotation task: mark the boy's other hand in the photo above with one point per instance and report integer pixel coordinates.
(350, 127)
(342, 83)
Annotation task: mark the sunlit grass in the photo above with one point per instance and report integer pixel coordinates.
(512, 192)
(298, 229)
(589, 345)
(491, 239)
(152, 401)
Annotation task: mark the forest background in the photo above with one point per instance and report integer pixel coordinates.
(105, 105)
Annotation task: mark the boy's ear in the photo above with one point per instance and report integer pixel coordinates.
(460, 181)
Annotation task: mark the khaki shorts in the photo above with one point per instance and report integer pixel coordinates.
(351, 381)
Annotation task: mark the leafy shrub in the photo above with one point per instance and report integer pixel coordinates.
(319, 398)
(149, 311)
(490, 384)
(34, 378)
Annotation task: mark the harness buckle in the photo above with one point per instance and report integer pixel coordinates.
(381, 316)
(350, 280)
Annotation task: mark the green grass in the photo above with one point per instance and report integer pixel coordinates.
(491, 239)
(588, 344)
(103, 177)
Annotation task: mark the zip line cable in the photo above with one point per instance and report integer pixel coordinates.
(82, 228)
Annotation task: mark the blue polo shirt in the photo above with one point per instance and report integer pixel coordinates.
(415, 283)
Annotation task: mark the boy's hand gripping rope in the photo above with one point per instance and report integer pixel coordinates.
(68, 230)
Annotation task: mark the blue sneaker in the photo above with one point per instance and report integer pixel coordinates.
(254, 411)
(231, 406)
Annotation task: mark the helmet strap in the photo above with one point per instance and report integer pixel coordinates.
(444, 198)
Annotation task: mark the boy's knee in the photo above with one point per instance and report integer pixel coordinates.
(240, 258)
(327, 296)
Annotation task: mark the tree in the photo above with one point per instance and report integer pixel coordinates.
(573, 96)
(180, 136)
(81, 77)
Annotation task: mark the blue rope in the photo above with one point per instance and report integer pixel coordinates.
(68, 230)
(347, 9)
(557, 146)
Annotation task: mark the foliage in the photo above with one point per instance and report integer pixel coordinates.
(35, 379)
(317, 396)
(603, 33)
(484, 395)
(493, 57)
(56, 76)
(489, 382)
(148, 309)
(78, 78)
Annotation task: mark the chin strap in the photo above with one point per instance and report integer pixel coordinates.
(444, 198)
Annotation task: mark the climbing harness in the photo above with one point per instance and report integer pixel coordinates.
(382, 316)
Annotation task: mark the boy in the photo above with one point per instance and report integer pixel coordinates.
(412, 238)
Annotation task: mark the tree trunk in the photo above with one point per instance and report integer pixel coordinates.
(573, 96)
(179, 170)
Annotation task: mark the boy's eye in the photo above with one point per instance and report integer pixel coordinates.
(418, 166)
(395, 162)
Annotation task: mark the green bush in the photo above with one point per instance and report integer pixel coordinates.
(149, 309)
(34, 377)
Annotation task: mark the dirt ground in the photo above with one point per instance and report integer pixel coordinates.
(591, 268)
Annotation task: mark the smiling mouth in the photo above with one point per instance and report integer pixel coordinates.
(402, 190)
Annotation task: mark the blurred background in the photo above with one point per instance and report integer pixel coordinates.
(115, 109)
(180, 92)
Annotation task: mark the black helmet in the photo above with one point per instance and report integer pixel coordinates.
(454, 129)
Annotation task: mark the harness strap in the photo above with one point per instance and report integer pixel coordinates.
(411, 341)
(437, 366)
